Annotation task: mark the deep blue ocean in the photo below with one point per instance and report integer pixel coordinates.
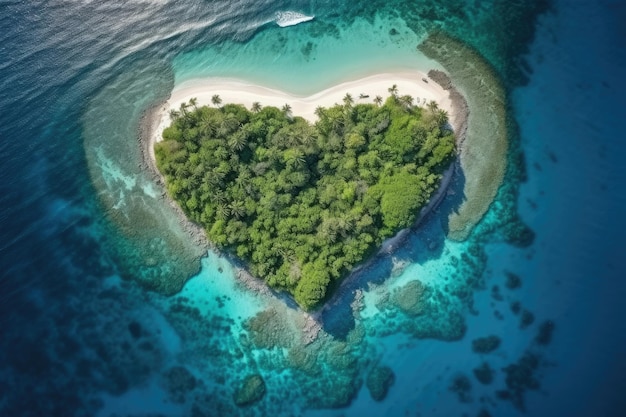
(87, 330)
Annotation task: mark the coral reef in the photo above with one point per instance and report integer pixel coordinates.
(527, 319)
(486, 344)
(179, 382)
(378, 382)
(462, 386)
(438, 318)
(326, 370)
(484, 373)
(268, 329)
(513, 281)
(152, 242)
(252, 389)
(483, 413)
(544, 334)
(303, 359)
(410, 298)
(520, 377)
(483, 154)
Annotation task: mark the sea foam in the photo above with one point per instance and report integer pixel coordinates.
(289, 18)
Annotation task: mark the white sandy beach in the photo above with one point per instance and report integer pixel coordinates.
(243, 92)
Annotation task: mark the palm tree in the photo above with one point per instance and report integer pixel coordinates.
(348, 100)
(183, 109)
(306, 138)
(219, 196)
(256, 107)
(441, 116)
(220, 153)
(259, 168)
(230, 124)
(233, 160)
(338, 123)
(194, 103)
(243, 178)
(237, 209)
(432, 106)
(295, 158)
(215, 180)
(326, 230)
(406, 100)
(222, 212)
(319, 112)
(237, 141)
(174, 114)
(378, 100)
(287, 110)
(393, 90)
(216, 100)
(208, 126)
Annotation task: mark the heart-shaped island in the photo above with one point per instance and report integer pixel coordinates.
(303, 203)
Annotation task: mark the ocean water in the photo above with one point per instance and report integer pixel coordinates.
(99, 318)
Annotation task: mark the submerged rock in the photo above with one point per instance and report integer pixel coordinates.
(516, 307)
(520, 378)
(179, 382)
(544, 334)
(484, 373)
(135, 330)
(378, 382)
(527, 319)
(251, 390)
(513, 281)
(462, 386)
(486, 344)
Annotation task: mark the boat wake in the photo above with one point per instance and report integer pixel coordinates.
(289, 18)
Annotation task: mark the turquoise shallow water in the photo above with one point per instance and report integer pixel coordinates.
(310, 57)
(90, 342)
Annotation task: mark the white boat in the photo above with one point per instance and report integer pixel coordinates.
(290, 18)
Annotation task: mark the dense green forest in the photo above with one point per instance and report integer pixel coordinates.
(303, 204)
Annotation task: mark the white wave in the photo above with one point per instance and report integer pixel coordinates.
(289, 18)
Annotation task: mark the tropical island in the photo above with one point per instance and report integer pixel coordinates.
(162, 247)
(303, 203)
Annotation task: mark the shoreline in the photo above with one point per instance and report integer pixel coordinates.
(435, 85)
(233, 90)
(148, 126)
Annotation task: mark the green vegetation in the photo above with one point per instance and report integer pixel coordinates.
(303, 204)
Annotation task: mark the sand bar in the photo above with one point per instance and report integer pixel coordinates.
(243, 92)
